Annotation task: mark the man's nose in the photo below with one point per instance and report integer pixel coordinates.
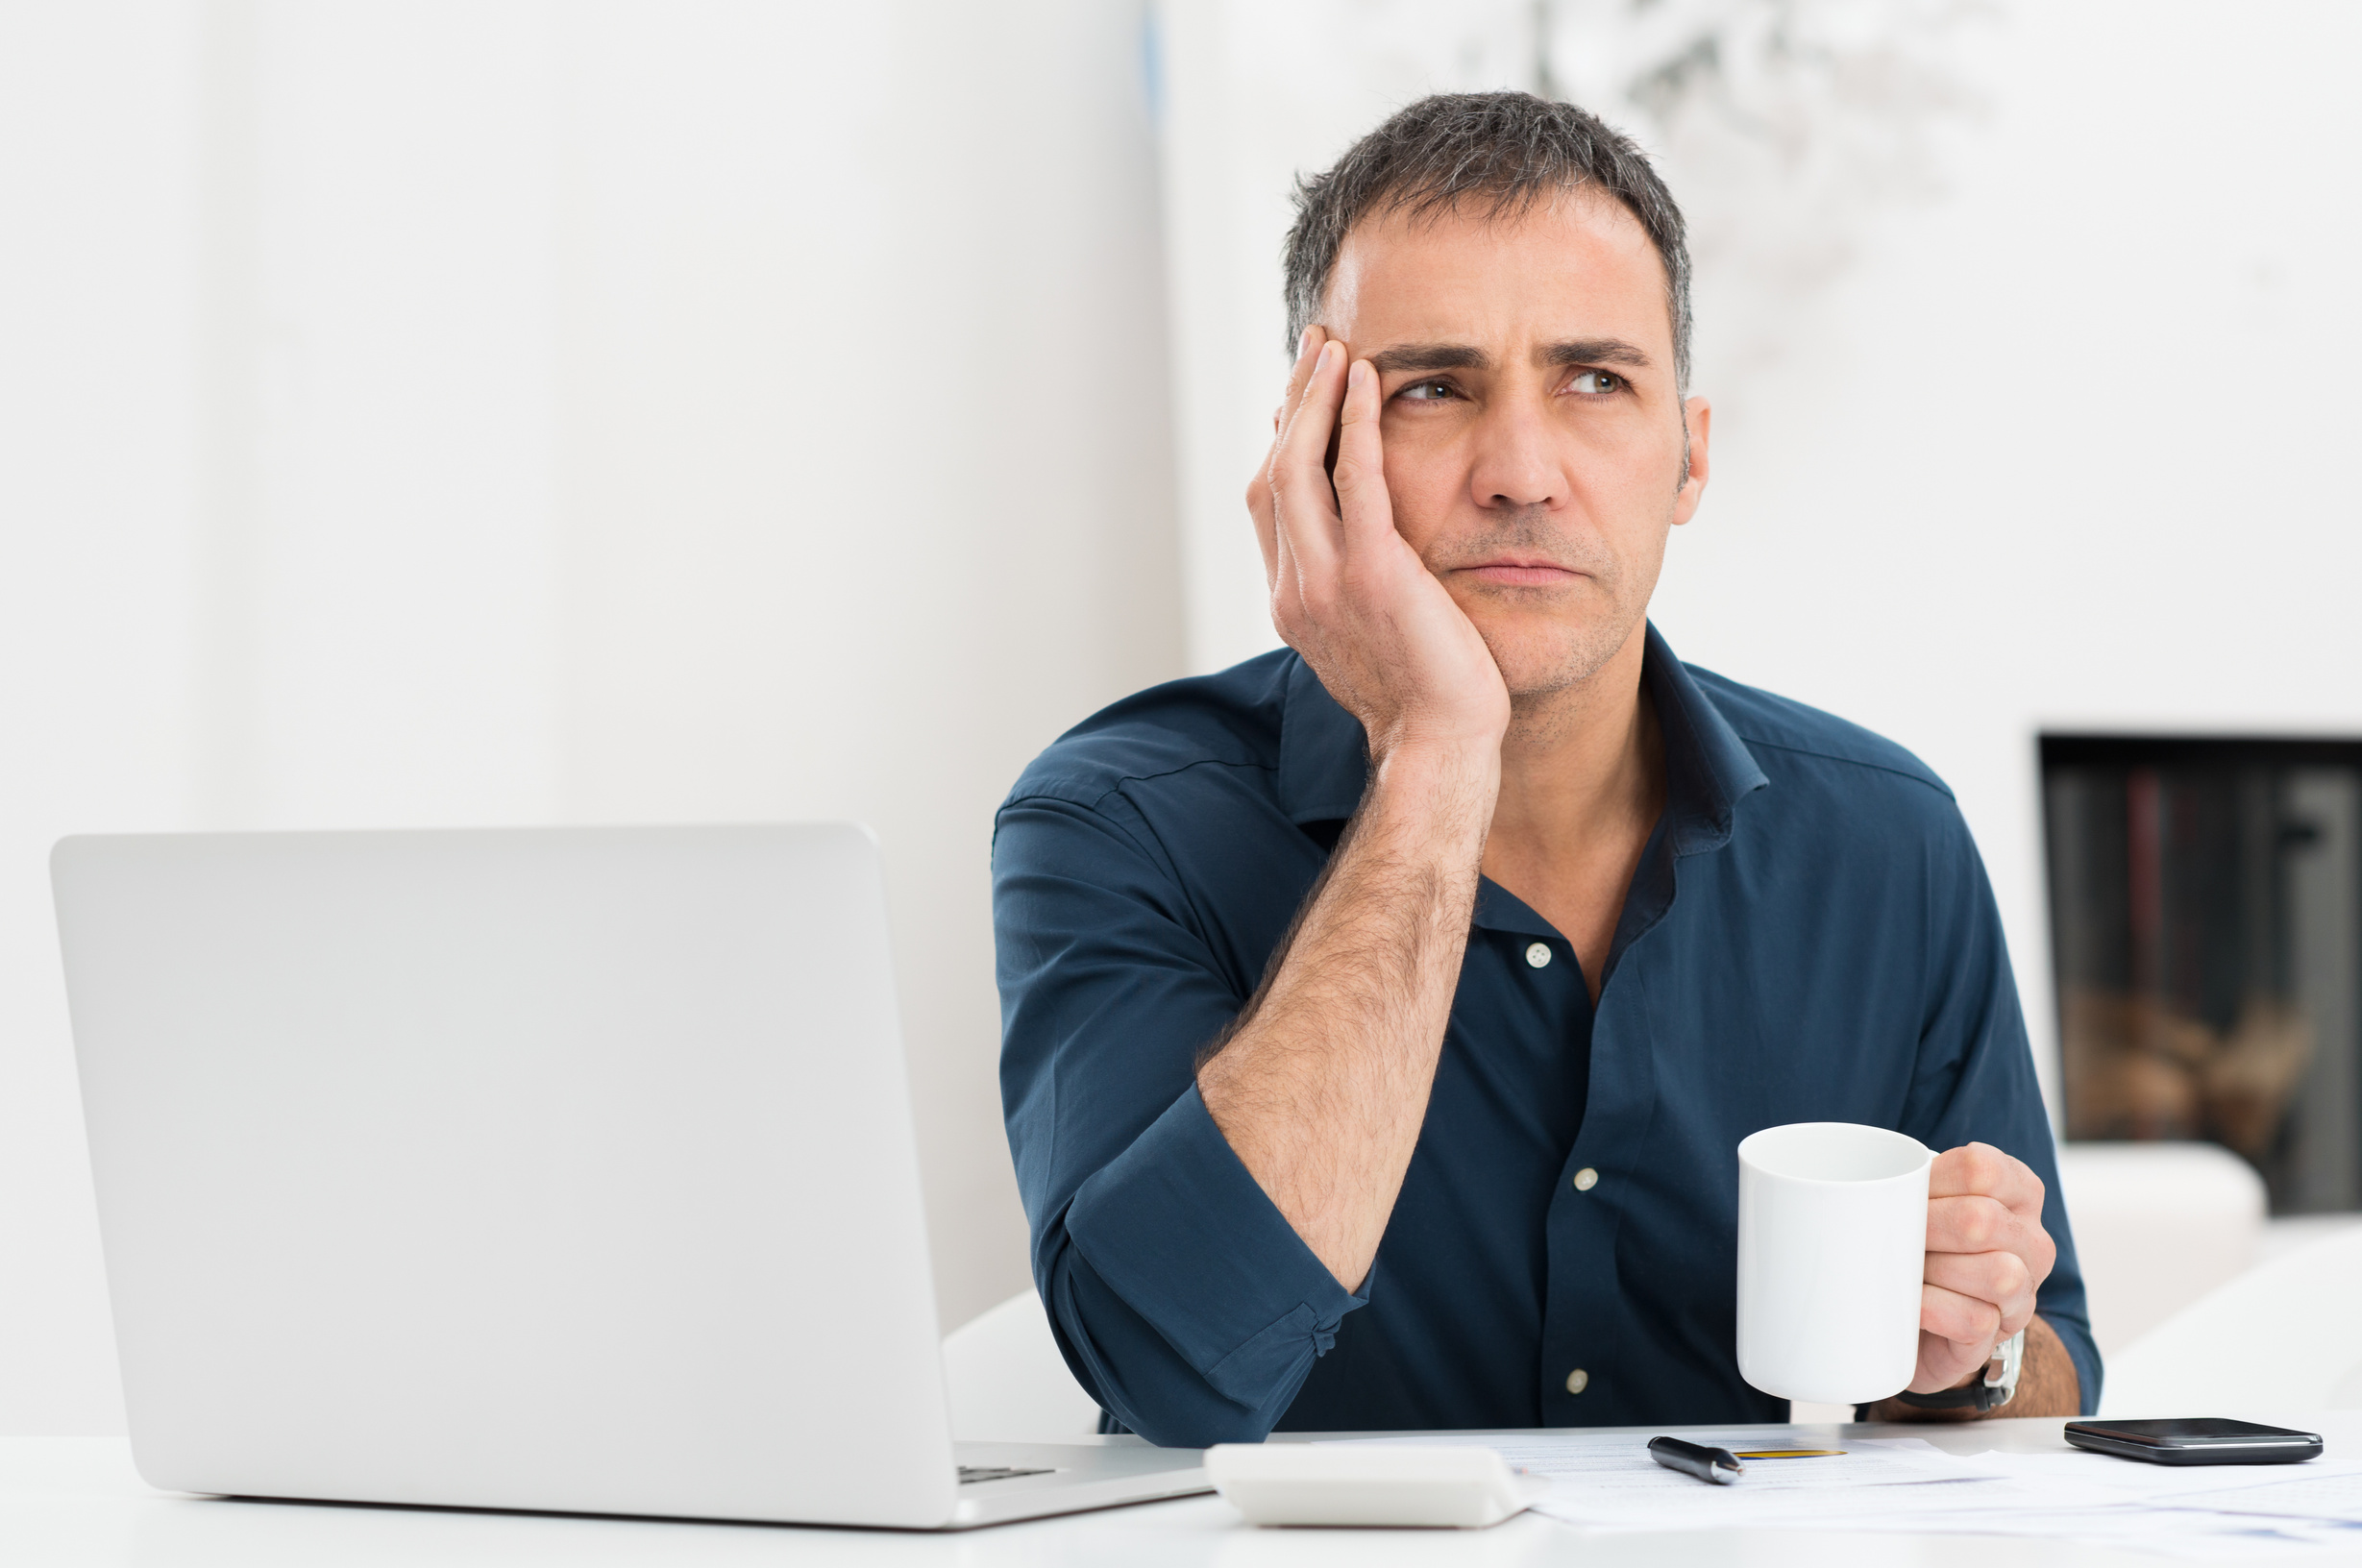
(1516, 462)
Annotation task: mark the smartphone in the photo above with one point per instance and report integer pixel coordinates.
(2208, 1439)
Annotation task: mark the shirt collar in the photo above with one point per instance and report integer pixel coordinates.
(1323, 752)
(1324, 756)
(1709, 768)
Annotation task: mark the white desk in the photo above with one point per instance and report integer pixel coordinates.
(74, 1502)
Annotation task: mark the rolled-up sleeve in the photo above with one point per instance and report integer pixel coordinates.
(1974, 1080)
(1181, 1297)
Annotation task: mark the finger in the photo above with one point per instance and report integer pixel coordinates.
(1304, 500)
(1973, 1224)
(1942, 1365)
(1259, 507)
(1313, 391)
(1308, 346)
(1962, 1319)
(1307, 359)
(1979, 1225)
(1306, 352)
(1291, 617)
(1359, 480)
(1999, 1278)
(1983, 1171)
(1261, 501)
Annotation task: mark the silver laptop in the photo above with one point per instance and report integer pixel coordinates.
(558, 1169)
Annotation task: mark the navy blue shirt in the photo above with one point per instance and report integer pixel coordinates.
(1810, 937)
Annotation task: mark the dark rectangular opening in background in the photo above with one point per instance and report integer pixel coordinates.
(2206, 940)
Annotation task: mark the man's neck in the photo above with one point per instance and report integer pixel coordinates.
(1582, 784)
(1581, 760)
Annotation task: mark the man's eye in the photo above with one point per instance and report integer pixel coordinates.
(1595, 383)
(1428, 391)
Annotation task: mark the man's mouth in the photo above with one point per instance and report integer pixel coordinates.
(1521, 572)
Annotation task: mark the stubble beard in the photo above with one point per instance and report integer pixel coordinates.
(1543, 707)
(1551, 685)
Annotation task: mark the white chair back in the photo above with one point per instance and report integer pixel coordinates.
(2157, 1226)
(2284, 1339)
(1008, 1383)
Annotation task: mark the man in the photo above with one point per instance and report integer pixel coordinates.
(1382, 1016)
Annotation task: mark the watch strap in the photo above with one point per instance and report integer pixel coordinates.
(1988, 1393)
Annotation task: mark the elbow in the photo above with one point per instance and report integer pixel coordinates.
(1138, 1376)
(1203, 1429)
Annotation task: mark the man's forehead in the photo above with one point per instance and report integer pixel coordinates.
(1576, 267)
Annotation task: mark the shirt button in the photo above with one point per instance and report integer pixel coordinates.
(1578, 1380)
(1539, 955)
(1585, 1178)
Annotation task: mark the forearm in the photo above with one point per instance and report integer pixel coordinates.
(1321, 1086)
(2047, 1385)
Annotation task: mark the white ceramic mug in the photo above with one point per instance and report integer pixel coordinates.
(1832, 1238)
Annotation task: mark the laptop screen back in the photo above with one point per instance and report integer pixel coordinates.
(562, 1169)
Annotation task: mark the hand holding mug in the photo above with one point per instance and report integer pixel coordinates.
(1866, 1265)
(1987, 1254)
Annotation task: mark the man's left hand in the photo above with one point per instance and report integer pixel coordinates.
(1987, 1254)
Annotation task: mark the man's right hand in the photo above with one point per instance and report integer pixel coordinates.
(1323, 1086)
(1347, 591)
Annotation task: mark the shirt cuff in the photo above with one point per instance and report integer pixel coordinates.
(2082, 1351)
(1177, 1227)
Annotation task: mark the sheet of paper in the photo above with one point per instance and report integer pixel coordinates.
(1620, 1459)
(2330, 1494)
(1607, 1482)
(2176, 1533)
(1607, 1479)
(2326, 1488)
(2203, 1514)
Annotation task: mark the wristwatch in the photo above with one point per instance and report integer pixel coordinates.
(1988, 1393)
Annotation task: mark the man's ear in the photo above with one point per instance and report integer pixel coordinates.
(1697, 430)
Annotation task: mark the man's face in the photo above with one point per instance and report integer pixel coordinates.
(1533, 429)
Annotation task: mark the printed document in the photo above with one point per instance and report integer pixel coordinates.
(1607, 1482)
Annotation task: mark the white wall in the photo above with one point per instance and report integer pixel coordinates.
(96, 565)
(2062, 445)
(519, 412)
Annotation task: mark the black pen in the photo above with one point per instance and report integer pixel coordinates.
(1718, 1465)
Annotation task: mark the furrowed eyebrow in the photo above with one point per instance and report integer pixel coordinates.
(1417, 357)
(1595, 351)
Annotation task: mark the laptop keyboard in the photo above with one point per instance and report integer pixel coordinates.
(970, 1474)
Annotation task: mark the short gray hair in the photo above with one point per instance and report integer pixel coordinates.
(1508, 153)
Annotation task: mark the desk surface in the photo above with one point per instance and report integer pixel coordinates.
(71, 1502)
